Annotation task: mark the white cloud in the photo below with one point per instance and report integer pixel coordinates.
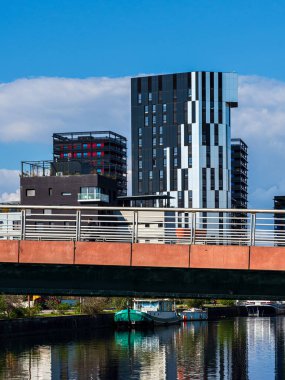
(32, 109)
(260, 121)
(10, 197)
(9, 181)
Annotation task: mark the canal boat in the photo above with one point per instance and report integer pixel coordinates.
(194, 314)
(256, 308)
(148, 312)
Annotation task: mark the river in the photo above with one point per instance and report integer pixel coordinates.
(238, 348)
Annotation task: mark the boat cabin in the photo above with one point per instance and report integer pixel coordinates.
(147, 305)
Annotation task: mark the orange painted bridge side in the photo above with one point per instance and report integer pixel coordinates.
(98, 253)
(267, 258)
(9, 251)
(141, 254)
(160, 255)
(46, 252)
(219, 257)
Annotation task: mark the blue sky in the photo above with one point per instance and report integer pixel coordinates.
(73, 38)
(54, 55)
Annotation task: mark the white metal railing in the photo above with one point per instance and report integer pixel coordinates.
(144, 225)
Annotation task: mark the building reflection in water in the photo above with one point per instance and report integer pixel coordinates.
(241, 348)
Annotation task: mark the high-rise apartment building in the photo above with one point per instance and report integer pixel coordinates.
(279, 220)
(239, 173)
(181, 137)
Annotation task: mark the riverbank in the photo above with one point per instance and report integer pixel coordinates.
(36, 325)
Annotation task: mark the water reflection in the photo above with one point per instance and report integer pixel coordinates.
(241, 348)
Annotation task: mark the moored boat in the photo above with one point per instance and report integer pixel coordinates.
(148, 312)
(194, 314)
(262, 308)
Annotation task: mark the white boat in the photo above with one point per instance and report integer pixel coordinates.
(256, 308)
(194, 314)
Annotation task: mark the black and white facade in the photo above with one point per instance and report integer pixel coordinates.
(181, 137)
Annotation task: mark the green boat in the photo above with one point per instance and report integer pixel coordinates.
(132, 317)
(148, 312)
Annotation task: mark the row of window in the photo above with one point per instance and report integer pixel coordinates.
(189, 95)
(79, 146)
(147, 108)
(80, 155)
(146, 120)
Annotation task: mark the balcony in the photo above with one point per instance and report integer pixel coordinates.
(93, 196)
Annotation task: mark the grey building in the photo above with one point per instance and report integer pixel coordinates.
(68, 190)
(181, 137)
(88, 168)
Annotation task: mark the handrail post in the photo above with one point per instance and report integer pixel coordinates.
(23, 224)
(252, 228)
(137, 227)
(134, 227)
(193, 227)
(78, 225)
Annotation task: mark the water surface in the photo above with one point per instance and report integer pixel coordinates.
(240, 348)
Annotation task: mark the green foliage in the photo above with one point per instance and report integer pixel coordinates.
(62, 308)
(52, 304)
(226, 302)
(199, 302)
(10, 306)
(33, 311)
(93, 305)
(119, 303)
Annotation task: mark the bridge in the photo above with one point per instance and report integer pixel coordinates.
(163, 252)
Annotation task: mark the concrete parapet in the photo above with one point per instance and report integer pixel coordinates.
(98, 253)
(160, 255)
(9, 250)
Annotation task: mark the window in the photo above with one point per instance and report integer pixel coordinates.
(154, 162)
(154, 141)
(139, 98)
(30, 192)
(154, 130)
(164, 162)
(140, 164)
(47, 211)
(140, 175)
(146, 109)
(146, 121)
(160, 130)
(164, 119)
(175, 162)
(150, 174)
(161, 141)
(175, 150)
(154, 153)
(154, 119)
(150, 97)
(161, 174)
(140, 131)
(140, 142)
(154, 108)
(65, 194)
(16, 225)
(164, 107)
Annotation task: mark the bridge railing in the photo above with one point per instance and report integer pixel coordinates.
(144, 225)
